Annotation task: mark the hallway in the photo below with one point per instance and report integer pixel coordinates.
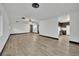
(31, 44)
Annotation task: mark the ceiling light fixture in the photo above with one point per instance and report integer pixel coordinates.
(23, 17)
(35, 5)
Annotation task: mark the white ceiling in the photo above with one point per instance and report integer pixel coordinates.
(45, 10)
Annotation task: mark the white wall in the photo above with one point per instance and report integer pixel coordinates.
(74, 26)
(64, 18)
(49, 27)
(1, 25)
(20, 28)
(6, 27)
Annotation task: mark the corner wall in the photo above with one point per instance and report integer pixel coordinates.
(6, 28)
(49, 27)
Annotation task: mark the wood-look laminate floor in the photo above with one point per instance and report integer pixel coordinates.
(34, 45)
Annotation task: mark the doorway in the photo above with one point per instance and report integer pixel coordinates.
(34, 28)
(64, 25)
(64, 28)
(64, 32)
(31, 28)
(38, 29)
